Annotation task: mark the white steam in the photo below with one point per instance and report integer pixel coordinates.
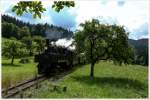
(65, 43)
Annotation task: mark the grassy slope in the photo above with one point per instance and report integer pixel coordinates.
(111, 81)
(12, 74)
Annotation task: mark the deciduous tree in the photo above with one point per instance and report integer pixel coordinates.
(102, 42)
(40, 41)
(12, 49)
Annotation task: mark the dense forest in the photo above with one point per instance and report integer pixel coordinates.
(12, 27)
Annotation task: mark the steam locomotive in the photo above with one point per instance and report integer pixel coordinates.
(54, 59)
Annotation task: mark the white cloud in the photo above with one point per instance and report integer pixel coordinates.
(130, 13)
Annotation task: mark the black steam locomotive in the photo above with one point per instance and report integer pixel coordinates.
(54, 59)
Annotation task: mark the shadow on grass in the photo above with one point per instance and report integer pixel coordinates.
(8, 65)
(112, 81)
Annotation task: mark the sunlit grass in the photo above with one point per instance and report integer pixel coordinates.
(14, 74)
(111, 81)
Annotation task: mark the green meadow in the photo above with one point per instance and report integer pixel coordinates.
(16, 73)
(111, 81)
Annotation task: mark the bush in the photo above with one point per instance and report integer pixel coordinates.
(24, 60)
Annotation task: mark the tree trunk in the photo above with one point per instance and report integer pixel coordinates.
(92, 71)
(12, 60)
(92, 61)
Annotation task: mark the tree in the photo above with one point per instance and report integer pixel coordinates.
(29, 44)
(23, 32)
(36, 7)
(121, 51)
(79, 37)
(40, 41)
(12, 49)
(39, 29)
(9, 30)
(101, 42)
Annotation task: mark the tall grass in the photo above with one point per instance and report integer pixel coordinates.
(111, 81)
(17, 72)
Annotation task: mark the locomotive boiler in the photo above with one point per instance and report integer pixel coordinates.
(54, 59)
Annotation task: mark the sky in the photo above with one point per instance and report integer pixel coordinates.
(132, 14)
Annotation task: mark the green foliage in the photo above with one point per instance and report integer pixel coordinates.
(121, 51)
(59, 5)
(39, 29)
(93, 40)
(140, 51)
(24, 60)
(13, 48)
(12, 27)
(12, 38)
(10, 30)
(40, 43)
(29, 44)
(24, 32)
(36, 8)
(103, 42)
(27, 40)
(99, 41)
(79, 37)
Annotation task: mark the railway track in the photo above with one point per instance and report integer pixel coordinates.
(7, 93)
